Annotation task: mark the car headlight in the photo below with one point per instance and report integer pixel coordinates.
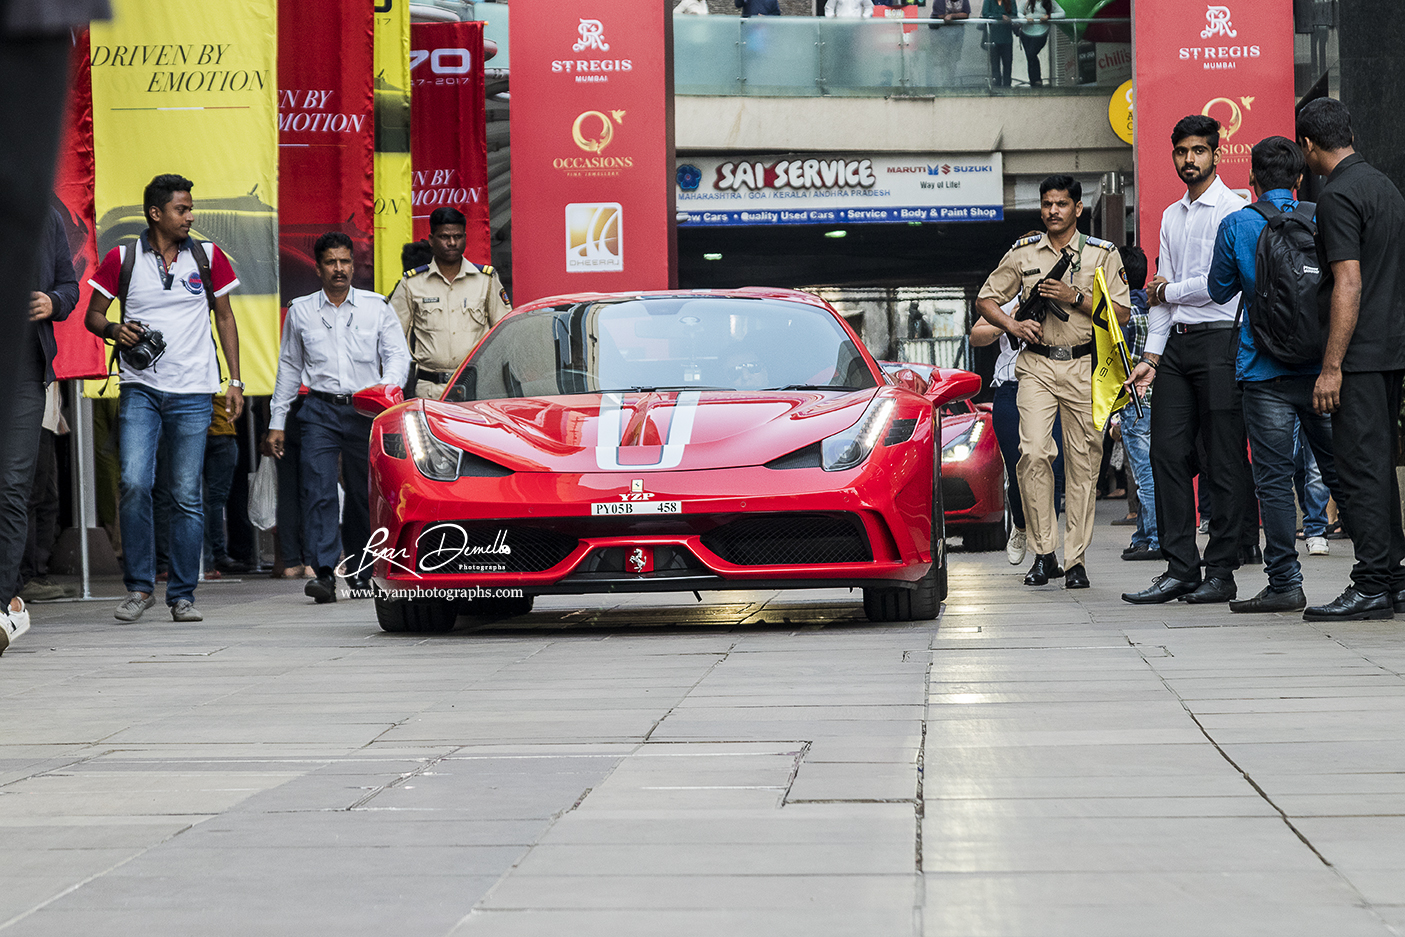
(960, 448)
(433, 458)
(849, 448)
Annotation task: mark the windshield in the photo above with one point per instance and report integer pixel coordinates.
(673, 343)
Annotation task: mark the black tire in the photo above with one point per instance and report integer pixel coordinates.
(498, 608)
(924, 601)
(428, 616)
(983, 538)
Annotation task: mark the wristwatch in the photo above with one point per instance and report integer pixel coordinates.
(1078, 299)
(235, 382)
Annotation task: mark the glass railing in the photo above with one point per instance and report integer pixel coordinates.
(801, 56)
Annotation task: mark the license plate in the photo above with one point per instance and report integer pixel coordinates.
(629, 508)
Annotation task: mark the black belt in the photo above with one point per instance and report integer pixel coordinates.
(341, 399)
(1181, 328)
(1061, 352)
(433, 377)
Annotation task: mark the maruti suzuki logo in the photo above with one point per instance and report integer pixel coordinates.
(593, 36)
(1216, 23)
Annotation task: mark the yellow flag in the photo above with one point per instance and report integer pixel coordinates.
(1112, 365)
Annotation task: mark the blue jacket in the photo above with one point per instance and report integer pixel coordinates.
(1232, 271)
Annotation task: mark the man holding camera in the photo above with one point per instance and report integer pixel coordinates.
(167, 284)
(1053, 273)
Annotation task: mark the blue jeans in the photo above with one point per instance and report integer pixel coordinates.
(1312, 493)
(146, 417)
(1273, 412)
(1005, 417)
(221, 456)
(1136, 438)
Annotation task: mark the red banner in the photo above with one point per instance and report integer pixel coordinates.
(81, 354)
(326, 134)
(1232, 61)
(448, 129)
(592, 147)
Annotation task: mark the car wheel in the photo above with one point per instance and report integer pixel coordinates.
(498, 608)
(982, 538)
(430, 616)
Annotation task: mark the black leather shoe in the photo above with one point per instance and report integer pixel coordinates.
(1398, 600)
(323, 589)
(1270, 601)
(362, 588)
(1353, 606)
(1163, 589)
(1142, 553)
(1251, 555)
(1076, 577)
(1046, 567)
(1215, 589)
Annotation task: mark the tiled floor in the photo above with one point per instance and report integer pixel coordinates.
(1036, 763)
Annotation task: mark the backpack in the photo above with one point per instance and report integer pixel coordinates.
(1285, 322)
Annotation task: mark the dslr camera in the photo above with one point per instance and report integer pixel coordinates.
(147, 350)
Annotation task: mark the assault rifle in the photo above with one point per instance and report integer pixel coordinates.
(1036, 307)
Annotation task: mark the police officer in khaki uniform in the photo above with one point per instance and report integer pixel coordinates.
(1055, 372)
(446, 306)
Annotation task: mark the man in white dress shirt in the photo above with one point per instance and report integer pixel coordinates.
(1190, 354)
(338, 341)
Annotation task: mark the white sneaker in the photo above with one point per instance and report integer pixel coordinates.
(13, 623)
(1318, 546)
(1015, 547)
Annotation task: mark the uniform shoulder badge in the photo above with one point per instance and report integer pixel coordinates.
(1028, 240)
(484, 268)
(502, 294)
(414, 270)
(1099, 242)
(1123, 274)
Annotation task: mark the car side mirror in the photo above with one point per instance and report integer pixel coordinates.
(909, 379)
(950, 384)
(377, 399)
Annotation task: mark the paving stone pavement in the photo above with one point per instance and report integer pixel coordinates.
(1036, 763)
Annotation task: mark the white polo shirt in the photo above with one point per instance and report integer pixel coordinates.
(175, 306)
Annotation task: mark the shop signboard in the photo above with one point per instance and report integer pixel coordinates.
(839, 189)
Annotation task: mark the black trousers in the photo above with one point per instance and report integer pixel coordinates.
(1364, 438)
(332, 432)
(1196, 393)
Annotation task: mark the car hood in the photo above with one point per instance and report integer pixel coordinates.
(653, 431)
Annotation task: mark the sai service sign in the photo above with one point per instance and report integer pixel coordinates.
(851, 189)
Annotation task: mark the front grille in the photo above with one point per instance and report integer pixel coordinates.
(790, 540)
(957, 495)
(473, 547)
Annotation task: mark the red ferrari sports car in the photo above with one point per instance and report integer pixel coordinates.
(973, 476)
(659, 442)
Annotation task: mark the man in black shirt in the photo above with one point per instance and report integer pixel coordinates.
(1360, 236)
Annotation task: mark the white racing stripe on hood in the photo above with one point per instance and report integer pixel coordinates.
(680, 432)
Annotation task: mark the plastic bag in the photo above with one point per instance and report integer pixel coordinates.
(263, 494)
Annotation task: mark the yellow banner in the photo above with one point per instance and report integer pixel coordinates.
(183, 88)
(1112, 365)
(394, 225)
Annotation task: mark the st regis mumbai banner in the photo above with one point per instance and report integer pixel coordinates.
(847, 189)
(1231, 61)
(592, 148)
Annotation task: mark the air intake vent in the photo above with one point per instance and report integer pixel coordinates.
(899, 431)
(473, 547)
(393, 445)
(790, 540)
(809, 457)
